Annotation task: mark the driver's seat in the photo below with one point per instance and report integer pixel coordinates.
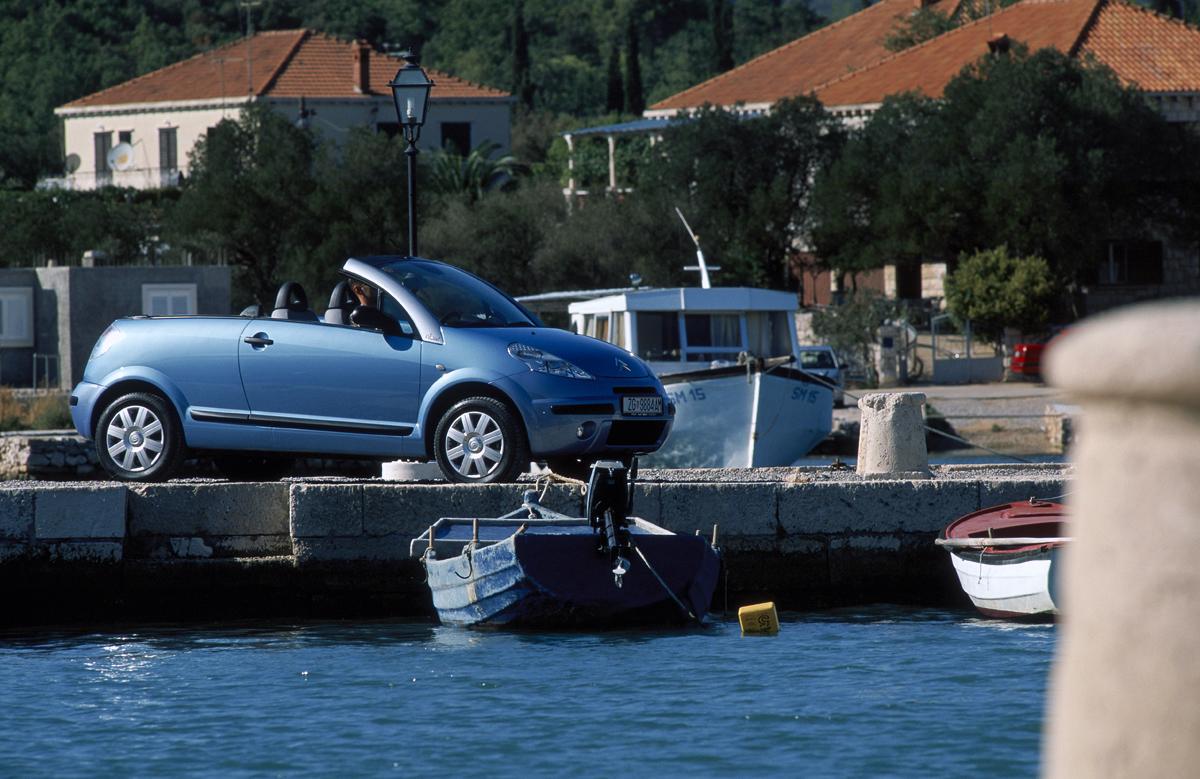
(291, 302)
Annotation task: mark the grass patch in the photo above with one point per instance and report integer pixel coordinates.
(33, 412)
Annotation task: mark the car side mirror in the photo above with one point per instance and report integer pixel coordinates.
(373, 319)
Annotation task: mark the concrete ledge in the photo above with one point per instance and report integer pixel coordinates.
(80, 512)
(209, 510)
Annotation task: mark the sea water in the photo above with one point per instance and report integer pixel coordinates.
(865, 692)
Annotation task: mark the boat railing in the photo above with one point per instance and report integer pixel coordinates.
(984, 543)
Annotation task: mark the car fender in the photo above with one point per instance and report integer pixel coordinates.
(150, 376)
(472, 375)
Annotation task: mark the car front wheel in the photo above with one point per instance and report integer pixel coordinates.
(138, 438)
(479, 441)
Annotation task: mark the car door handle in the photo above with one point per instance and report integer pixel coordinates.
(258, 340)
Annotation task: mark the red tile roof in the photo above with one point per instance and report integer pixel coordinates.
(285, 63)
(1145, 49)
(798, 67)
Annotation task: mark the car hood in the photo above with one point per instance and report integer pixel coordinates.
(597, 357)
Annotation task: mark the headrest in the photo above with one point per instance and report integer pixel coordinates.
(291, 302)
(341, 302)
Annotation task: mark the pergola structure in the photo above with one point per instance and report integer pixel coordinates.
(651, 127)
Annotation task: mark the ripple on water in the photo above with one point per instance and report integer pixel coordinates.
(863, 692)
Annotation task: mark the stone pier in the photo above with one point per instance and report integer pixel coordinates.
(804, 537)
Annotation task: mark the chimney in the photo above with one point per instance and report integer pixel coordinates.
(999, 44)
(362, 68)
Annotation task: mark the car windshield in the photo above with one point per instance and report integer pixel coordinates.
(816, 359)
(457, 298)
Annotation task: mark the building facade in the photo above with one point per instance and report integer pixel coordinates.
(51, 317)
(140, 133)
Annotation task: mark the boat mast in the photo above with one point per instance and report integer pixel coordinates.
(702, 266)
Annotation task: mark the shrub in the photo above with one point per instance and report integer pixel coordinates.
(994, 290)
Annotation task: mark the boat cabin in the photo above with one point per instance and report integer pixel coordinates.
(686, 328)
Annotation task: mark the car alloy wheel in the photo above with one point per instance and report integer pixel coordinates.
(135, 438)
(480, 441)
(474, 444)
(138, 438)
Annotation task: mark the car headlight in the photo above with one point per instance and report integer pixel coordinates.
(544, 362)
(108, 339)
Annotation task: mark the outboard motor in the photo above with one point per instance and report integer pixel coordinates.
(609, 499)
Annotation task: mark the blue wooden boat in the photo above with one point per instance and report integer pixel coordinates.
(538, 568)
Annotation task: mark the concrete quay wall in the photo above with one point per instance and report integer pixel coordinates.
(807, 538)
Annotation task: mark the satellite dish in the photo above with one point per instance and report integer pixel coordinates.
(72, 163)
(120, 157)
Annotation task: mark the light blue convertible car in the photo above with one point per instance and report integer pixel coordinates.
(413, 359)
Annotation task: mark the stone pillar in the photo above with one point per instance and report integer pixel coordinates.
(891, 436)
(1125, 688)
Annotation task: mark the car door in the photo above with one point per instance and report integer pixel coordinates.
(329, 378)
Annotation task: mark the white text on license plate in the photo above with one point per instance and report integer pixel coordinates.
(642, 406)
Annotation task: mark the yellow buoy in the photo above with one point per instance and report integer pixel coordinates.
(761, 619)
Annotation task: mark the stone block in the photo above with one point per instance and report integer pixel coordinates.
(86, 552)
(834, 508)
(16, 514)
(993, 493)
(409, 509)
(739, 509)
(323, 510)
(79, 512)
(647, 502)
(386, 548)
(209, 510)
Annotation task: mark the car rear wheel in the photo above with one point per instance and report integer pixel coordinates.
(479, 441)
(138, 438)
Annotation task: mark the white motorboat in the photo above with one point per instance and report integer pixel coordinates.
(728, 357)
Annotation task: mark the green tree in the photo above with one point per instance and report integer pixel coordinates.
(1043, 153)
(615, 99)
(248, 197)
(522, 81)
(720, 15)
(471, 176)
(994, 290)
(744, 184)
(635, 101)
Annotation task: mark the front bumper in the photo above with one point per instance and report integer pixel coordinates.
(567, 417)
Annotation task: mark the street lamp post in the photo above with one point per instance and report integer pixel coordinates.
(410, 91)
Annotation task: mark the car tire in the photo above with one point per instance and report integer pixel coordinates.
(138, 438)
(251, 468)
(465, 443)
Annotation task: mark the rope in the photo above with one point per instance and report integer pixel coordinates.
(960, 439)
(666, 589)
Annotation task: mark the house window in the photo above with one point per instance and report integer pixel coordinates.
(16, 316)
(169, 299)
(103, 145)
(1131, 263)
(168, 149)
(390, 129)
(125, 136)
(456, 137)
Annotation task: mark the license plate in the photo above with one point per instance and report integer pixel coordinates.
(642, 406)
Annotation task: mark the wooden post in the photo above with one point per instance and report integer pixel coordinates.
(612, 163)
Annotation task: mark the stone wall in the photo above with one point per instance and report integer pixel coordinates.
(806, 538)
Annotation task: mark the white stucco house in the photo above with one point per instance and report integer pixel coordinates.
(316, 80)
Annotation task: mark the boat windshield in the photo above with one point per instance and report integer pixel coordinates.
(457, 298)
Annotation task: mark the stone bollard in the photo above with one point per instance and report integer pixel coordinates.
(1125, 688)
(891, 437)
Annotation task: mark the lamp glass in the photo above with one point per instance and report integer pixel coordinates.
(410, 91)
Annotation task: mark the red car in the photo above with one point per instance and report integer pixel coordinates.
(1027, 359)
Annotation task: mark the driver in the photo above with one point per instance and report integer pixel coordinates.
(364, 292)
